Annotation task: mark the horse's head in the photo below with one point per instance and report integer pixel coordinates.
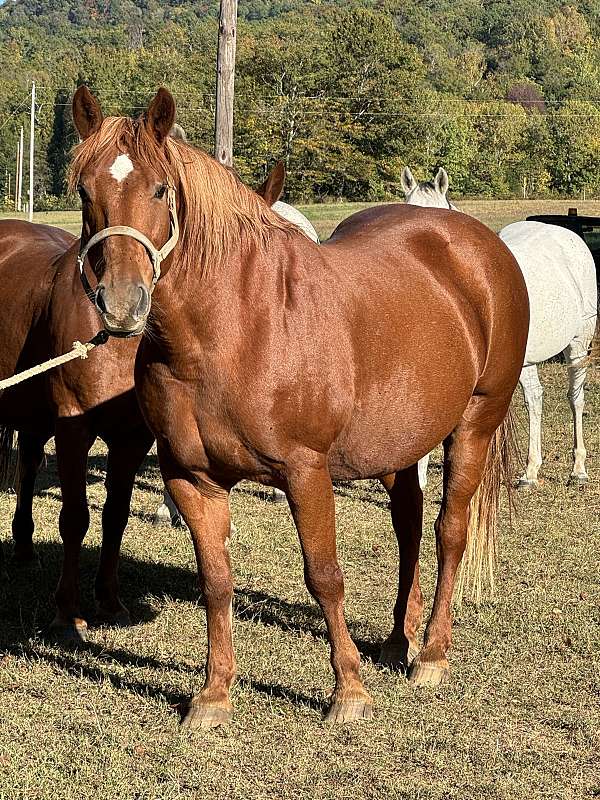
(431, 194)
(128, 205)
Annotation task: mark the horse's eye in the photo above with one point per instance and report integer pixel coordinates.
(82, 193)
(160, 192)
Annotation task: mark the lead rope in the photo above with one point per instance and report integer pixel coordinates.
(80, 350)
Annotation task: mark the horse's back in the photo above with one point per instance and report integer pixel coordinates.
(17, 236)
(560, 275)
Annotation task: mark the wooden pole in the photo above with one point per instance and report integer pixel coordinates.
(20, 168)
(225, 82)
(17, 195)
(31, 151)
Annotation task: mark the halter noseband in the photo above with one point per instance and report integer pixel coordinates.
(156, 256)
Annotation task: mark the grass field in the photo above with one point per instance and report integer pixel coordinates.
(520, 720)
(325, 216)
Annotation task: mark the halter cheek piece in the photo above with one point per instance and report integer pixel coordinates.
(156, 256)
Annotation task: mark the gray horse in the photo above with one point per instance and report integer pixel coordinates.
(559, 271)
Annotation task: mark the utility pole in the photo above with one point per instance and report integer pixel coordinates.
(19, 204)
(225, 82)
(31, 150)
(18, 161)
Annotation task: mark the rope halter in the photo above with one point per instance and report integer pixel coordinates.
(156, 256)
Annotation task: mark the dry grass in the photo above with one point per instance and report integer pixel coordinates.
(520, 720)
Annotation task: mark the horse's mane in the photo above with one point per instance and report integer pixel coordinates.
(216, 210)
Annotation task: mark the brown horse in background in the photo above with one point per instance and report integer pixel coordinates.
(292, 364)
(44, 310)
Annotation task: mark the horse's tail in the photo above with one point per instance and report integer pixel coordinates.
(7, 463)
(478, 562)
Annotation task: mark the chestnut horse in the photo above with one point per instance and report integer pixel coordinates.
(44, 309)
(80, 402)
(292, 364)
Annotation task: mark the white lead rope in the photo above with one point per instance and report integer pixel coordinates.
(80, 350)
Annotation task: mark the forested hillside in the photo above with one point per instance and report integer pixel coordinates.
(504, 93)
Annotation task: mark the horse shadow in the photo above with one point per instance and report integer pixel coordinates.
(26, 607)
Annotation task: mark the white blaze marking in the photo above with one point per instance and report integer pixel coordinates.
(121, 167)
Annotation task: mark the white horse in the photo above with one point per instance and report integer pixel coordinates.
(561, 281)
(167, 513)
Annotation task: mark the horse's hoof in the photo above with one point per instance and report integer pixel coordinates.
(69, 634)
(113, 619)
(162, 518)
(396, 657)
(578, 481)
(206, 715)
(429, 673)
(278, 496)
(349, 706)
(524, 484)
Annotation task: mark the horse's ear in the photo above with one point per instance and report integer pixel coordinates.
(407, 181)
(273, 187)
(87, 114)
(160, 115)
(441, 181)
(177, 132)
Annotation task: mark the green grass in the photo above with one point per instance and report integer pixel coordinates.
(520, 720)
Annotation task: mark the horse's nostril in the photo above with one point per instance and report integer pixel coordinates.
(99, 299)
(143, 305)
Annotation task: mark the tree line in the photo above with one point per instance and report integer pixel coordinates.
(502, 93)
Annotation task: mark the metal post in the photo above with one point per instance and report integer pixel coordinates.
(31, 151)
(225, 82)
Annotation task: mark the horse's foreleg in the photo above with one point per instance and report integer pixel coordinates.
(310, 494)
(207, 516)
(125, 457)
(31, 455)
(406, 497)
(575, 355)
(73, 441)
(533, 394)
(465, 456)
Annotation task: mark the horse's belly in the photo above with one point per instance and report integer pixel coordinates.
(555, 316)
(393, 436)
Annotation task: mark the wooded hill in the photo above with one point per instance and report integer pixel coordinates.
(504, 93)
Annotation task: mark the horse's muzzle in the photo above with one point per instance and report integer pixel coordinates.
(124, 312)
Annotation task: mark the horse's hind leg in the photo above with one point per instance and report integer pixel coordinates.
(125, 457)
(310, 495)
(575, 355)
(533, 394)
(406, 500)
(31, 455)
(465, 455)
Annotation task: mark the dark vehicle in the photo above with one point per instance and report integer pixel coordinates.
(586, 227)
